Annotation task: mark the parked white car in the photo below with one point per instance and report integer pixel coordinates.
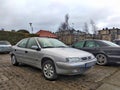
(5, 47)
(52, 56)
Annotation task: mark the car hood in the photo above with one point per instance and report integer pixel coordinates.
(67, 52)
(5, 45)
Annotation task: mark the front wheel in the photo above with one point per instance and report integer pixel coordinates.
(14, 60)
(101, 59)
(49, 70)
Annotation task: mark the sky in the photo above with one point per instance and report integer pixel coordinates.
(49, 14)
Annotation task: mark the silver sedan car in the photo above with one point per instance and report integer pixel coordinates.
(5, 47)
(52, 56)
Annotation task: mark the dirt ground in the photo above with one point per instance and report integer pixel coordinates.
(25, 77)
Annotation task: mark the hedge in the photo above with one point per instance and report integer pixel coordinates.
(14, 37)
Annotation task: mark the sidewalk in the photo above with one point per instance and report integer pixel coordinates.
(111, 83)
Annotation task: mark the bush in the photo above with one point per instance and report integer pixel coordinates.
(14, 37)
(23, 31)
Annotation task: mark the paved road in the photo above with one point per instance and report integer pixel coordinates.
(25, 77)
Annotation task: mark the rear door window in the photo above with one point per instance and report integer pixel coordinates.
(90, 44)
(23, 43)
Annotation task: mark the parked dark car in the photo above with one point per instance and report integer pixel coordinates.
(5, 47)
(104, 51)
(117, 41)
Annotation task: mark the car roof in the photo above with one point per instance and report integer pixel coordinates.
(3, 41)
(93, 40)
(38, 37)
(116, 40)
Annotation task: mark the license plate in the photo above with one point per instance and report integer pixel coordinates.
(89, 64)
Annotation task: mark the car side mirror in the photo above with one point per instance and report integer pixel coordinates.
(35, 48)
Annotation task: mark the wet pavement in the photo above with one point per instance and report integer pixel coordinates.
(25, 77)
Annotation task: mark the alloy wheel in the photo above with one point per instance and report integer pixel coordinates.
(101, 59)
(49, 70)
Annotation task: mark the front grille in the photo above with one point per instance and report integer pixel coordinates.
(84, 58)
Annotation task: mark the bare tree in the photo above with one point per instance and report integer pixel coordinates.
(65, 25)
(86, 29)
(94, 28)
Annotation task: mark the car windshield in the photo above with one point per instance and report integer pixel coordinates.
(51, 43)
(111, 44)
(4, 43)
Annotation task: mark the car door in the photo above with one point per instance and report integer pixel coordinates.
(91, 46)
(19, 51)
(32, 54)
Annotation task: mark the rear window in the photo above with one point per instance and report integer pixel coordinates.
(4, 43)
(117, 42)
(107, 43)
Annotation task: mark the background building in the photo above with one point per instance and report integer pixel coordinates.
(109, 34)
(45, 33)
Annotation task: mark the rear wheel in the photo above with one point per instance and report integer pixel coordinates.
(101, 59)
(14, 60)
(49, 70)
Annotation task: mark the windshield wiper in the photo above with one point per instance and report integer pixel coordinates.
(61, 46)
(48, 47)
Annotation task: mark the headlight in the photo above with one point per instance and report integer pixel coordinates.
(92, 56)
(73, 59)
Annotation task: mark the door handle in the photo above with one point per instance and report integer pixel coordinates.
(26, 51)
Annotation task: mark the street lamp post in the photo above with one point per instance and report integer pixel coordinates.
(31, 27)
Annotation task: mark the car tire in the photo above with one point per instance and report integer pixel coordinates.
(49, 71)
(14, 60)
(101, 59)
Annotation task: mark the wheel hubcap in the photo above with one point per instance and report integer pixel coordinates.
(101, 59)
(48, 70)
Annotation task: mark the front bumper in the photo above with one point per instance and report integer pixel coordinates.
(74, 68)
